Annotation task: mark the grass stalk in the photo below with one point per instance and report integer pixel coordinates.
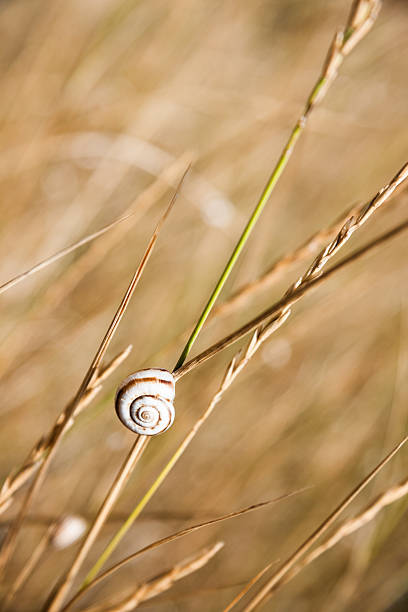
(58, 291)
(235, 367)
(281, 265)
(16, 480)
(314, 275)
(171, 538)
(163, 581)
(106, 507)
(390, 496)
(264, 324)
(62, 422)
(357, 26)
(59, 254)
(272, 583)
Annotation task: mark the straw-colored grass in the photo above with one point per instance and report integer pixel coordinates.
(100, 104)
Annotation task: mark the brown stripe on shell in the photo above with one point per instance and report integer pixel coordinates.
(134, 381)
(153, 379)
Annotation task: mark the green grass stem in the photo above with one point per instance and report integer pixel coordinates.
(266, 194)
(132, 517)
(326, 78)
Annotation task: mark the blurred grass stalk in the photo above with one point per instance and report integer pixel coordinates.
(57, 292)
(163, 581)
(269, 323)
(361, 19)
(171, 538)
(91, 375)
(286, 569)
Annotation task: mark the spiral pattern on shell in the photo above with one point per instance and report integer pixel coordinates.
(144, 401)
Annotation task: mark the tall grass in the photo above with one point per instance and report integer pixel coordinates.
(306, 410)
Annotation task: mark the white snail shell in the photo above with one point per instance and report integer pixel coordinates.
(144, 401)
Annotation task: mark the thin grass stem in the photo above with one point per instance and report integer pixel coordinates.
(274, 316)
(62, 423)
(308, 543)
(171, 538)
(106, 507)
(288, 300)
(342, 45)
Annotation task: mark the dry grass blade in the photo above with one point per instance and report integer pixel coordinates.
(102, 97)
(309, 247)
(17, 479)
(235, 367)
(272, 583)
(127, 467)
(264, 325)
(138, 207)
(356, 221)
(362, 16)
(281, 265)
(164, 581)
(88, 260)
(63, 420)
(62, 253)
(241, 359)
(359, 23)
(124, 474)
(248, 586)
(387, 498)
(313, 276)
(171, 538)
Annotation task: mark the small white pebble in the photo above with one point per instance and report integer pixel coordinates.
(70, 529)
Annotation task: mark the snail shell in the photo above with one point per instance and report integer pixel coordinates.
(144, 401)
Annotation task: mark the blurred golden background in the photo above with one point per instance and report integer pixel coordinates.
(99, 98)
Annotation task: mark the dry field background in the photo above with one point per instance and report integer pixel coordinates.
(98, 98)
